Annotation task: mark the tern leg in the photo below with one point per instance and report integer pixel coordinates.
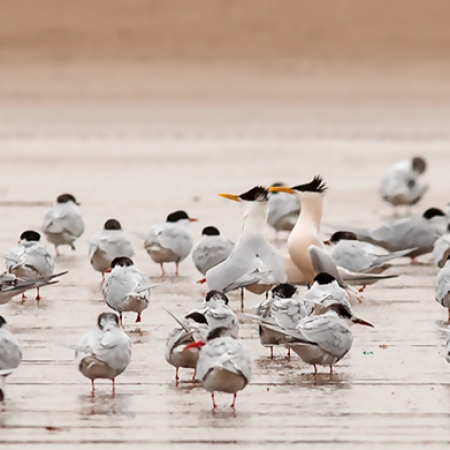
(234, 401)
(38, 297)
(120, 319)
(449, 315)
(72, 247)
(138, 318)
(113, 387)
(163, 272)
(57, 251)
(176, 377)
(214, 402)
(23, 297)
(362, 288)
(103, 279)
(176, 270)
(271, 352)
(92, 388)
(414, 260)
(315, 369)
(289, 353)
(331, 370)
(194, 375)
(242, 299)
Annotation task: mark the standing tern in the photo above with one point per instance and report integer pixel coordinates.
(110, 243)
(324, 292)
(104, 352)
(323, 339)
(211, 249)
(170, 241)
(400, 185)
(10, 355)
(283, 308)
(63, 224)
(443, 287)
(284, 210)
(254, 263)
(224, 364)
(127, 288)
(182, 345)
(217, 312)
(417, 233)
(358, 256)
(30, 258)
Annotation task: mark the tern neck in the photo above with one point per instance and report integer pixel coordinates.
(312, 205)
(255, 219)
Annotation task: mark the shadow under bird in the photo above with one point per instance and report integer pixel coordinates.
(323, 339)
(184, 342)
(170, 242)
(63, 223)
(211, 249)
(104, 352)
(254, 263)
(110, 243)
(30, 258)
(224, 364)
(400, 183)
(127, 288)
(10, 355)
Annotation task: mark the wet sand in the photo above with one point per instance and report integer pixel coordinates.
(391, 391)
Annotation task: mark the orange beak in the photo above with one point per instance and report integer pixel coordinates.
(108, 270)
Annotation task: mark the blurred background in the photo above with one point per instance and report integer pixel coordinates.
(225, 68)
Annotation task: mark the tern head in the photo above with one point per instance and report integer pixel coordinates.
(2, 321)
(107, 318)
(324, 278)
(284, 290)
(197, 317)
(179, 216)
(66, 198)
(256, 194)
(30, 235)
(433, 212)
(122, 261)
(112, 224)
(221, 332)
(215, 296)
(345, 313)
(419, 164)
(210, 231)
(342, 236)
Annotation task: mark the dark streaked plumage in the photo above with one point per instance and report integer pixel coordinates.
(284, 290)
(343, 235)
(256, 194)
(216, 295)
(316, 185)
(324, 278)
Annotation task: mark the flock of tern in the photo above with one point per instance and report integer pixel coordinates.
(315, 326)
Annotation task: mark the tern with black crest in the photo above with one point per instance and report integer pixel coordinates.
(63, 224)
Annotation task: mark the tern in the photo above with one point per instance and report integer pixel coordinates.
(324, 292)
(110, 243)
(104, 352)
(30, 258)
(63, 224)
(323, 339)
(283, 308)
(417, 233)
(211, 249)
(170, 241)
(224, 364)
(182, 345)
(254, 263)
(10, 355)
(217, 312)
(358, 256)
(284, 210)
(442, 289)
(127, 288)
(400, 186)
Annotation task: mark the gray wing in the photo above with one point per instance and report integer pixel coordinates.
(38, 257)
(287, 313)
(10, 351)
(323, 262)
(113, 243)
(210, 252)
(174, 237)
(114, 348)
(281, 205)
(329, 333)
(443, 284)
(63, 219)
(441, 250)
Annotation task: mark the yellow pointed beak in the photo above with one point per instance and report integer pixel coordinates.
(230, 197)
(286, 189)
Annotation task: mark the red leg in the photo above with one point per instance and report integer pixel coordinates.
(414, 260)
(234, 401)
(113, 387)
(331, 369)
(449, 315)
(38, 297)
(213, 400)
(289, 354)
(103, 279)
(176, 377)
(163, 272)
(315, 369)
(271, 352)
(194, 375)
(138, 318)
(176, 270)
(93, 388)
(120, 319)
(362, 288)
(23, 297)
